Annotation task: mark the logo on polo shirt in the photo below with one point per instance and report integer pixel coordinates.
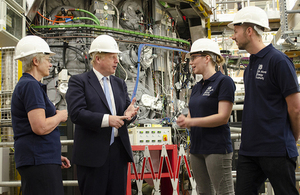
(208, 91)
(260, 74)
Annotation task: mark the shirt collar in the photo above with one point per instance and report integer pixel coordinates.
(212, 78)
(98, 74)
(29, 76)
(264, 51)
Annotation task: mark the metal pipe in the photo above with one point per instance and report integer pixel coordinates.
(44, 13)
(18, 183)
(235, 130)
(294, 32)
(118, 15)
(11, 144)
(10, 184)
(292, 11)
(235, 136)
(238, 107)
(284, 23)
(235, 116)
(70, 182)
(214, 8)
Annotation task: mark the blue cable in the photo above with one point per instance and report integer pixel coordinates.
(139, 63)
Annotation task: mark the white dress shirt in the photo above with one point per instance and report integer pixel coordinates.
(105, 120)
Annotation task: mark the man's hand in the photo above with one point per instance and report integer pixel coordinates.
(116, 121)
(131, 111)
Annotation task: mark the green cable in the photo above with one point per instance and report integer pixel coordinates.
(84, 18)
(82, 10)
(113, 29)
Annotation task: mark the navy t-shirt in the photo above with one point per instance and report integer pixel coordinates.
(269, 78)
(204, 102)
(30, 148)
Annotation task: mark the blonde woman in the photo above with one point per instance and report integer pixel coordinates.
(210, 107)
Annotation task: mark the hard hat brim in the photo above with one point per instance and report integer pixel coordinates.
(95, 50)
(231, 25)
(188, 55)
(28, 54)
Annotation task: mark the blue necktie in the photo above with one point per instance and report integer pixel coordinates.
(107, 95)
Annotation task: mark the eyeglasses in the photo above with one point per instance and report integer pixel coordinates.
(193, 57)
(50, 60)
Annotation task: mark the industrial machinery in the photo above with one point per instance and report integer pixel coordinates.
(154, 37)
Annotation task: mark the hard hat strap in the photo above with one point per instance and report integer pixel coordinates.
(260, 32)
(214, 58)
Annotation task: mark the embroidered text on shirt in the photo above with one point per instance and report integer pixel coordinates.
(260, 73)
(208, 91)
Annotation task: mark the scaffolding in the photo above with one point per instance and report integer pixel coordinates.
(8, 78)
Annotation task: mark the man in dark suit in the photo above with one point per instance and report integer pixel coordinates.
(98, 104)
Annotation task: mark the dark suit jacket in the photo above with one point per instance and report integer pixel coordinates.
(86, 106)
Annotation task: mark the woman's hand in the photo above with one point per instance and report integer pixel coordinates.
(183, 121)
(65, 163)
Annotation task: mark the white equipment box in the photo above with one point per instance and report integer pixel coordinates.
(150, 135)
(12, 22)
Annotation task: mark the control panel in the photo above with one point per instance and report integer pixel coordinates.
(150, 135)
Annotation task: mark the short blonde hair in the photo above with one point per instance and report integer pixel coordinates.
(95, 54)
(27, 62)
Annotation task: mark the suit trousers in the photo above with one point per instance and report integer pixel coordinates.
(109, 179)
(252, 172)
(41, 179)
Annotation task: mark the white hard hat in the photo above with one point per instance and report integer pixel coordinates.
(251, 14)
(104, 43)
(32, 44)
(204, 44)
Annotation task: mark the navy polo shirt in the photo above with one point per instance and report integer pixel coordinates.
(204, 102)
(269, 78)
(30, 148)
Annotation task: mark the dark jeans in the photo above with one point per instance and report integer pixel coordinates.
(252, 172)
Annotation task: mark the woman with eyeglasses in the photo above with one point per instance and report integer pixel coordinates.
(35, 119)
(210, 107)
